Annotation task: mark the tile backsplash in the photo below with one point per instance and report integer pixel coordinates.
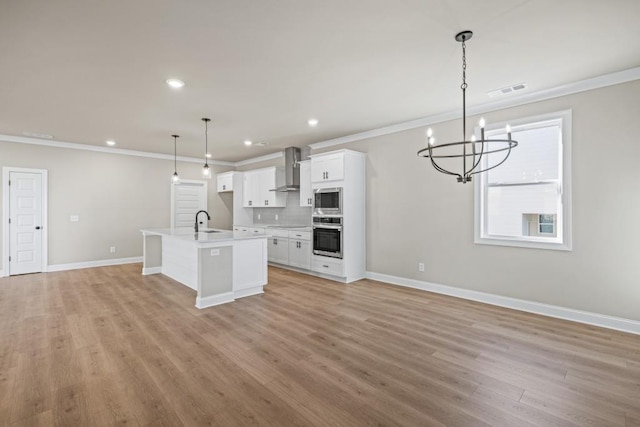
(293, 214)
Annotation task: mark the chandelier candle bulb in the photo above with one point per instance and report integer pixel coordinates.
(482, 122)
(429, 133)
(508, 129)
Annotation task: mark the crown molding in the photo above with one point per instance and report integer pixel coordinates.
(508, 102)
(259, 159)
(107, 150)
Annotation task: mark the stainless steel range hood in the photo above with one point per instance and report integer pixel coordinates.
(291, 170)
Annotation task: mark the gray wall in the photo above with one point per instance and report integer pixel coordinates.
(114, 195)
(415, 214)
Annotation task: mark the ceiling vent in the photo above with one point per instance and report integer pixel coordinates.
(507, 90)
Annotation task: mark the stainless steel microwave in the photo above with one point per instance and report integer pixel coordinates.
(327, 201)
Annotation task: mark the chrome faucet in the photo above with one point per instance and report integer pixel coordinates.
(198, 213)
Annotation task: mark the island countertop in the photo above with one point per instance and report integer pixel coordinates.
(205, 236)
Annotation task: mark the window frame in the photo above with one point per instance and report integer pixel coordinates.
(564, 226)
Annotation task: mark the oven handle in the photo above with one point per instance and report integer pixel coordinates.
(329, 227)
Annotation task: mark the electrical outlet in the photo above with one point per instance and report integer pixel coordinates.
(421, 266)
(276, 217)
(112, 249)
(258, 216)
(74, 218)
(215, 252)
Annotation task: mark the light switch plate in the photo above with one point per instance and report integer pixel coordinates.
(75, 218)
(215, 252)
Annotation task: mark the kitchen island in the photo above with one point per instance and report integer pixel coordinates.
(220, 265)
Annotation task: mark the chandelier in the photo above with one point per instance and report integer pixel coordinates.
(471, 151)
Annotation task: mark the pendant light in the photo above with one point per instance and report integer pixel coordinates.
(472, 148)
(175, 178)
(206, 171)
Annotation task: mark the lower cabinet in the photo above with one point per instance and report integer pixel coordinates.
(300, 253)
(278, 250)
(290, 248)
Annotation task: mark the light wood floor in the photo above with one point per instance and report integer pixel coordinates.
(108, 346)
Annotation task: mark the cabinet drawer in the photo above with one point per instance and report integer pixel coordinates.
(239, 228)
(256, 230)
(300, 235)
(327, 265)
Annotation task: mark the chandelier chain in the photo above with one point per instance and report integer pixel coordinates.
(464, 66)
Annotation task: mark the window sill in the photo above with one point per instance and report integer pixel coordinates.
(520, 243)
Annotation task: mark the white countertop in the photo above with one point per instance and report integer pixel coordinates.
(279, 226)
(202, 237)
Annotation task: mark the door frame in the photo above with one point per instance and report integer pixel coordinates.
(6, 236)
(204, 184)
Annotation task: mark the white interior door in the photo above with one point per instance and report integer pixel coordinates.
(25, 223)
(187, 198)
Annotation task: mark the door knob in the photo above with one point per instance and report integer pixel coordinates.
(38, 227)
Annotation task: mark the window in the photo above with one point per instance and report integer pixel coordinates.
(546, 224)
(526, 201)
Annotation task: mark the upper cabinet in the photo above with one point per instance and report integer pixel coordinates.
(258, 185)
(225, 181)
(306, 194)
(329, 167)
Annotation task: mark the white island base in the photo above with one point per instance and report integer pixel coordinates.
(220, 266)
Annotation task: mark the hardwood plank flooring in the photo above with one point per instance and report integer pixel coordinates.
(108, 346)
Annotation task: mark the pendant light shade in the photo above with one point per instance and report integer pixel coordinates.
(175, 179)
(206, 171)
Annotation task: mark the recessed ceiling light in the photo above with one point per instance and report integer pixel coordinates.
(110, 142)
(312, 122)
(260, 144)
(175, 83)
(208, 155)
(248, 143)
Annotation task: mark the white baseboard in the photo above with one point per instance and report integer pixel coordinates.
(151, 270)
(1, 273)
(215, 300)
(610, 322)
(248, 292)
(89, 264)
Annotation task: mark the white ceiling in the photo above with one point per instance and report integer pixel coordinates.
(90, 70)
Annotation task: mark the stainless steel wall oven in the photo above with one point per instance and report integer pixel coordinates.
(327, 236)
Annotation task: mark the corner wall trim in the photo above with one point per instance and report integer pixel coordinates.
(90, 264)
(601, 320)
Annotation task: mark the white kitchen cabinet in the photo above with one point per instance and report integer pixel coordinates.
(258, 185)
(225, 181)
(278, 250)
(300, 252)
(327, 167)
(306, 193)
